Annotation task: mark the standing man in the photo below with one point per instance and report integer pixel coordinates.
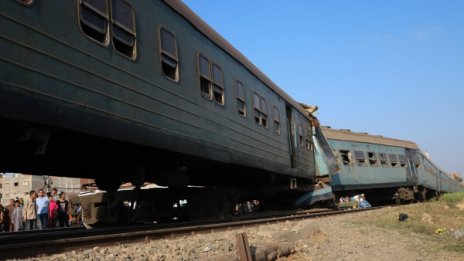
(42, 209)
(55, 194)
(30, 211)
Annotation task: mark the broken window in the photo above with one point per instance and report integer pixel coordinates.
(415, 160)
(383, 159)
(393, 160)
(372, 158)
(346, 157)
(94, 18)
(276, 117)
(241, 102)
(168, 53)
(123, 27)
(402, 160)
(360, 158)
(16, 184)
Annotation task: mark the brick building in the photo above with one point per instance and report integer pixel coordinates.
(14, 185)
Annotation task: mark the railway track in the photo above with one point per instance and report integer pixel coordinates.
(39, 243)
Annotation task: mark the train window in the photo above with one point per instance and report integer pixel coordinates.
(309, 144)
(263, 112)
(168, 53)
(93, 16)
(257, 106)
(301, 135)
(415, 160)
(218, 84)
(260, 106)
(205, 76)
(123, 27)
(393, 160)
(346, 156)
(276, 117)
(383, 159)
(403, 161)
(360, 158)
(372, 158)
(241, 101)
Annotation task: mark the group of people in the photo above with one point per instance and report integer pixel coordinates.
(360, 199)
(41, 210)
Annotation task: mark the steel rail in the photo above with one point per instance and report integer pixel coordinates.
(53, 242)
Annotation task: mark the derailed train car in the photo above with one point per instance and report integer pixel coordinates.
(144, 91)
(385, 169)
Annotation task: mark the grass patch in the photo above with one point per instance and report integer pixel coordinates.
(424, 220)
(453, 197)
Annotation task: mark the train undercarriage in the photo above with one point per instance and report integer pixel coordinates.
(194, 187)
(396, 195)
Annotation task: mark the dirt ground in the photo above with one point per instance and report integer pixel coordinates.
(356, 236)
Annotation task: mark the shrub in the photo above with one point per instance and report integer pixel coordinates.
(453, 197)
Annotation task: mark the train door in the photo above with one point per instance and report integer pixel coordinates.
(291, 136)
(411, 171)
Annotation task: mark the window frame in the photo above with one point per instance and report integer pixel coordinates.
(169, 56)
(133, 57)
(258, 105)
(402, 160)
(201, 75)
(241, 99)
(394, 163)
(276, 120)
(373, 159)
(361, 162)
(264, 111)
(215, 84)
(349, 157)
(211, 80)
(106, 42)
(383, 158)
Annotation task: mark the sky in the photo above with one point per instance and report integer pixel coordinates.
(391, 68)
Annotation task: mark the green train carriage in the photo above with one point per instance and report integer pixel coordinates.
(142, 91)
